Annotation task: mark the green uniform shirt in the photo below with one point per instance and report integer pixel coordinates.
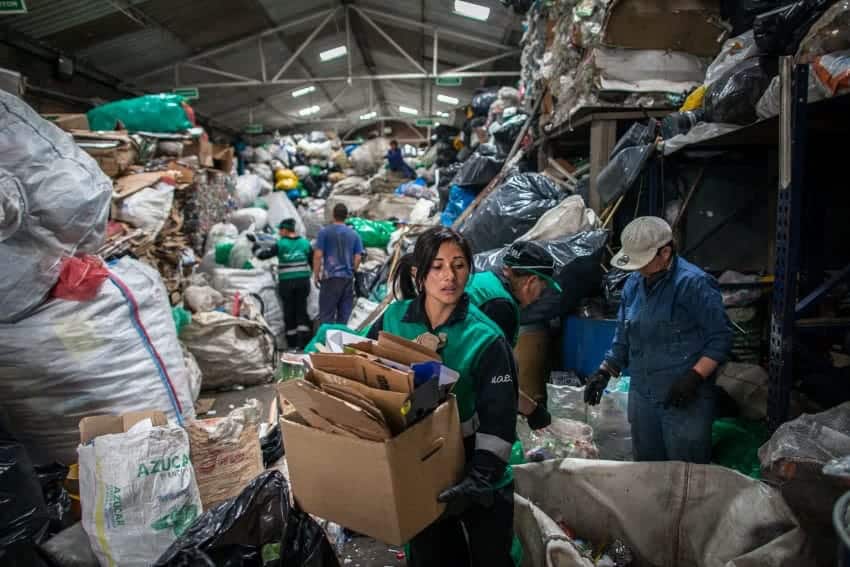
(293, 257)
(486, 286)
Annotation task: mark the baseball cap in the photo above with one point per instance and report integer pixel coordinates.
(641, 240)
(532, 258)
(287, 224)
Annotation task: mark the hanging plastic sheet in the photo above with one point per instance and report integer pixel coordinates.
(628, 158)
(732, 99)
(258, 527)
(780, 31)
(577, 270)
(510, 211)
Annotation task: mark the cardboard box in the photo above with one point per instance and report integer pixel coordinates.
(223, 157)
(387, 490)
(68, 122)
(365, 370)
(200, 147)
(114, 152)
(96, 425)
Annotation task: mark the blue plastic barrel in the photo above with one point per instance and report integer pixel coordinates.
(585, 343)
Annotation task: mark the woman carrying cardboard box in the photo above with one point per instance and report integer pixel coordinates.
(441, 316)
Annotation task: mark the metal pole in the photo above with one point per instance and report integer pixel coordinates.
(792, 147)
(304, 45)
(176, 76)
(348, 40)
(436, 53)
(483, 61)
(262, 55)
(216, 71)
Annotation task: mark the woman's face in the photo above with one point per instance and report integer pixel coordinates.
(448, 275)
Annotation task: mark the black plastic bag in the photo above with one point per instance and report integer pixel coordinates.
(24, 519)
(732, 99)
(680, 123)
(510, 211)
(478, 170)
(69, 548)
(780, 31)
(612, 288)
(364, 281)
(258, 528)
(742, 13)
(272, 446)
(52, 478)
(507, 133)
(628, 159)
(482, 100)
(577, 270)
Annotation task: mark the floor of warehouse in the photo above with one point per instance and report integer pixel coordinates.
(360, 551)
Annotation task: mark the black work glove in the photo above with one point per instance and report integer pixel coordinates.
(684, 390)
(595, 386)
(539, 418)
(474, 489)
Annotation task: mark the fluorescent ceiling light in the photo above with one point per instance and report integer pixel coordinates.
(334, 53)
(408, 110)
(472, 10)
(368, 115)
(308, 111)
(302, 92)
(447, 99)
(442, 114)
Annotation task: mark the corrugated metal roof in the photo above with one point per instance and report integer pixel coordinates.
(135, 52)
(47, 17)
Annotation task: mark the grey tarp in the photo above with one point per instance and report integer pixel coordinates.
(669, 513)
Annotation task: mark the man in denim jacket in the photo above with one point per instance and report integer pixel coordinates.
(672, 334)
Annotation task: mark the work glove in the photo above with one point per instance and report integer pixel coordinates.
(595, 386)
(684, 390)
(474, 489)
(539, 418)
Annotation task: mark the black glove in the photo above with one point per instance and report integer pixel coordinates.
(256, 248)
(595, 386)
(684, 390)
(539, 418)
(475, 488)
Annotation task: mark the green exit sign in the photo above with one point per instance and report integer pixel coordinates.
(425, 121)
(188, 94)
(254, 129)
(449, 81)
(12, 7)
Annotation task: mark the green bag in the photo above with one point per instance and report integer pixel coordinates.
(181, 318)
(374, 234)
(162, 113)
(735, 443)
(222, 253)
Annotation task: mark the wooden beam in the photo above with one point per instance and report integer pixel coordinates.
(603, 138)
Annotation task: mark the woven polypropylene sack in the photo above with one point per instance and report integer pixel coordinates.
(55, 202)
(70, 359)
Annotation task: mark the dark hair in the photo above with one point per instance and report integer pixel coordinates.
(426, 249)
(394, 142)
(340, 212)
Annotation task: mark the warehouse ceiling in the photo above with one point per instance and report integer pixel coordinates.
(222, 46)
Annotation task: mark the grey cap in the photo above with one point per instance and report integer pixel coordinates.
(641, 240)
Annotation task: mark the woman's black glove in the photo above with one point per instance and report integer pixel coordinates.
(474, 489)
(539, 418)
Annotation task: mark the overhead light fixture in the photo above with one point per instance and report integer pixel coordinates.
(442, 114)
(309, 110)
(472, 10)
(368, 115)
(334, 53)
(447, 99)
(301, 92)
(408, 110)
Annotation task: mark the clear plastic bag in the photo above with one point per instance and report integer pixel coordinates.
(734, 51)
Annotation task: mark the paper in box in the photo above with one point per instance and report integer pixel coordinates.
(385, 489)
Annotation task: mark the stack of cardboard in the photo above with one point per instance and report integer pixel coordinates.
(114, 152)
(382, 408)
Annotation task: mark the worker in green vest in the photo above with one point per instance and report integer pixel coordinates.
(528, 269)
(294, 268)
(477, 528)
